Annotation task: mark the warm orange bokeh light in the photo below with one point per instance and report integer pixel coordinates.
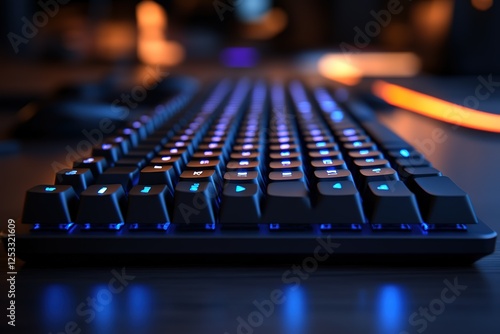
(152, 45)
(482, 4)
(436, 108)
(349, 69)
(150, 15)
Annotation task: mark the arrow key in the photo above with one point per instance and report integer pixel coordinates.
(240, 203)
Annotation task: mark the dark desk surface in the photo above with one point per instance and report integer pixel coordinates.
(212, 299)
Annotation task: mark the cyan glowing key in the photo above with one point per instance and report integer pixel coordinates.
(376, 170)
(145, 190)
(337, 186)
(324, 152)
(383, 187)
(194, 187)
(321, 144)
(337, 116)
(370, 160)
(71, 172)
(327, 161)
(285, 154)
(102, 190)
(50, 189)
(240, 189)
(404, 153)
(357, 144)
(363, 152)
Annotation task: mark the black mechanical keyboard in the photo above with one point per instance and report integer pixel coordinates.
(253, 168)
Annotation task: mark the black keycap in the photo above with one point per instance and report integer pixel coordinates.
(147, 204)
(371, 163)
(329, 163)
(322, 146)
(390, 202)
(126, 176)
(441, 201)
(405, 154)
(240, 203)
(176, 152)
(243, 164)
(208, 154)
(205, 164)
(174, 161)
(130, 134)
(338, 202)
(195, 203)
(283, 147)
(101, 205)
(287, 203)
(326, 153)
(285, 164)
(78, 178)
(245, 155)
(332, 174)
(121, 141)
(377, 174)
(50, 205)
(97, 165)
(351, 139)
(206, 175)
(285, 155)
(357, 145)
(412, 162)
(242, 176)
(414, 172)
(286, 175)
(111, 152)
(365, 154)
(158, 174)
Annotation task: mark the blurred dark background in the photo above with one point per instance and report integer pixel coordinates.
(450, 37)
(54, 46)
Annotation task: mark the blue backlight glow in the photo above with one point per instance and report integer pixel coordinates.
(404, 153)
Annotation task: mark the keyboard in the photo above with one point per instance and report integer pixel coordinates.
(253, 168)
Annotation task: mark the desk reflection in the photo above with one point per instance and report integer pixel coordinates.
(240, 300)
